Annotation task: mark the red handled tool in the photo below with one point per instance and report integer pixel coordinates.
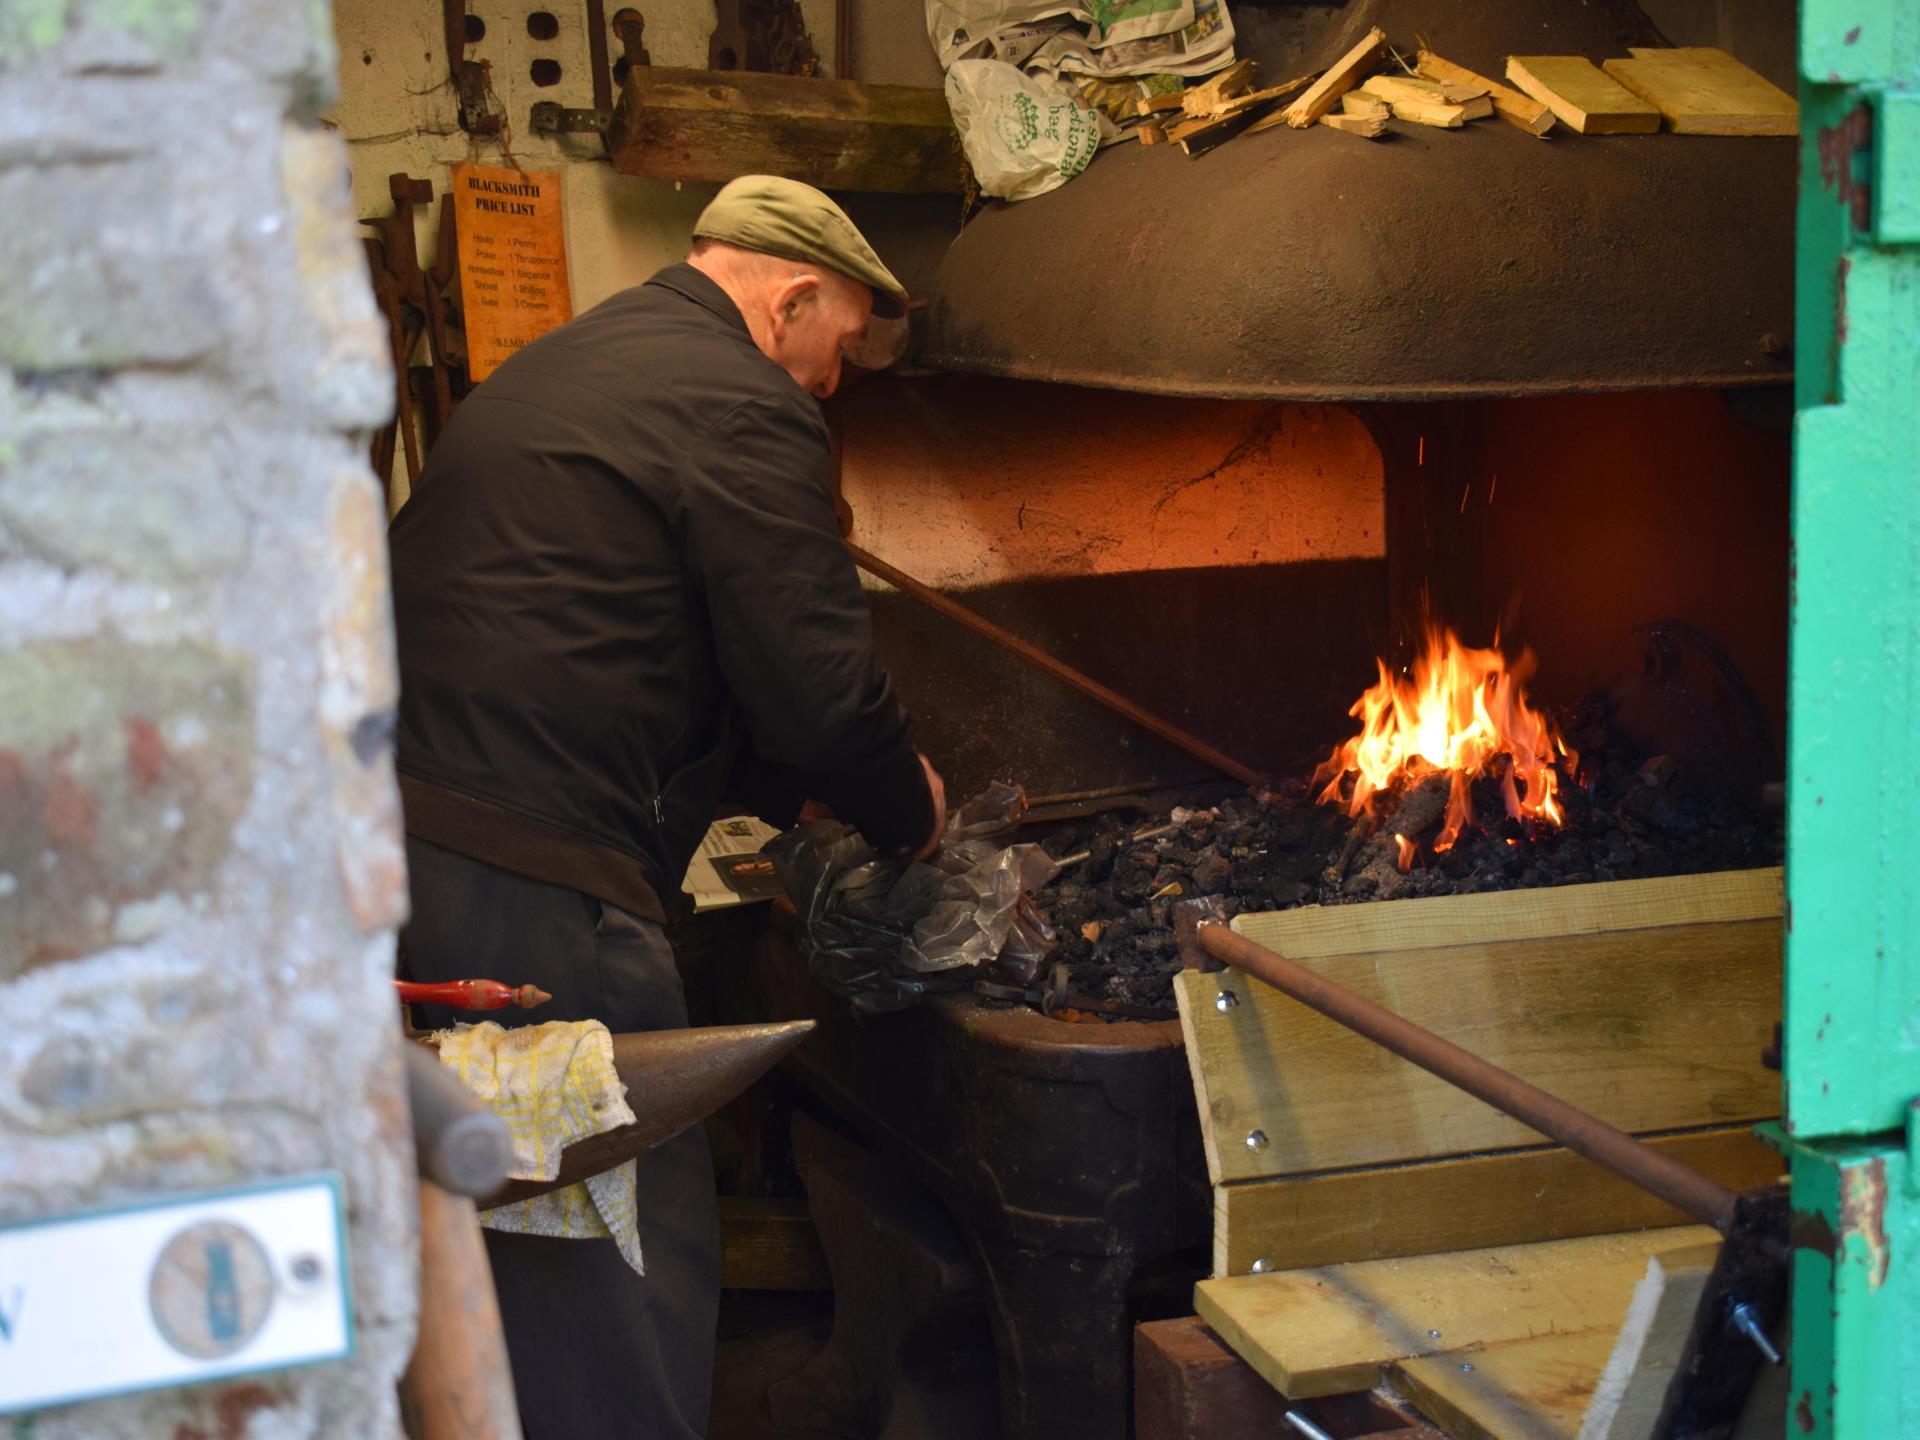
(471, 994)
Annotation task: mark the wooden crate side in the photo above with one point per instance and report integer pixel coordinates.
(1337, 1328)
(1442, 920)
(1649, 1034)
(1461, 1203)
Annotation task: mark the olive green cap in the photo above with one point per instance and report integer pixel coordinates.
(776, 216)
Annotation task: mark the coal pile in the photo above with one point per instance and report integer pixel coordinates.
(1628, 817)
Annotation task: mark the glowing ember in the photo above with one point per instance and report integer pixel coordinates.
(1460, 711)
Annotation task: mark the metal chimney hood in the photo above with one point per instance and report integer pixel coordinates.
(1314, 265)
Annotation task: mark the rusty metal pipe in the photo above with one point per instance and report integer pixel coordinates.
(1679, 1185)
(1056, 667)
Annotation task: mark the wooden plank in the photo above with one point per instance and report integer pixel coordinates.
(712, 125)
(1521, 111)
(1372, 127)
(1338, 1328)
(1358, 102)
(1704, 91)
(770, 1245)
(1345, 73)
(1187, 1385)
(1646, 1002)
(1533, 1389)
(1583, 98)
(1632, 1385)
(1461, 1203)
(1313, 930)
(1152, 135)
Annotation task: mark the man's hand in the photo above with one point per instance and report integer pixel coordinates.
(938, 789)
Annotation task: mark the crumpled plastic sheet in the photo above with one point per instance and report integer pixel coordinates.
(884, 933)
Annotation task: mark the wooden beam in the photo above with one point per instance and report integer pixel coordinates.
(1462, 1202)
(1647, 1002)
(1358, 102)
(1703, 91)
(713, 125)
(1522, 111)
(1330, 1330)
(1346, 72)
(1582, 97)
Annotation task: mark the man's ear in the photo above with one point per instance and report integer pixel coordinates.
(790, 298)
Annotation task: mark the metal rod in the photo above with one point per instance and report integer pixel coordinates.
(1057, 668)
(597, 55)
(1679, 1185)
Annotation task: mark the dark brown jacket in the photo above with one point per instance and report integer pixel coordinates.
(621, 599)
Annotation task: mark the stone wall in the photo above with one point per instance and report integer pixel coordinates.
(200, 867)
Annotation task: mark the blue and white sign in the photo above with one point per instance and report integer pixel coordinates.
(173, 1293)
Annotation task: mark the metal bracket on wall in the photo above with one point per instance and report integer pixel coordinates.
(547, 118)
(472, 87)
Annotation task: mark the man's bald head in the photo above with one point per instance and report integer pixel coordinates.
(802, 316)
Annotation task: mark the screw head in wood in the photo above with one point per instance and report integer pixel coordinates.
(1225, 1001)
(1256, 1140)
(1260, 1266)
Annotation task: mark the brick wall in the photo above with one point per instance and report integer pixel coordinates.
(200, 867)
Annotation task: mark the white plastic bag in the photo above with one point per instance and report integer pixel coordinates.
(1023, 136)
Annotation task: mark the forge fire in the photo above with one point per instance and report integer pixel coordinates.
(1463, 714)
(1455, 783)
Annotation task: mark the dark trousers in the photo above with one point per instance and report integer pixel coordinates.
(598, 1352)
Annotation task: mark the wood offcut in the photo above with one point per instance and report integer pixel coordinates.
(1370, 127)
(1521, 111)
(1581, 96)
(1704, 91)
(1345, 73)
(713, 125)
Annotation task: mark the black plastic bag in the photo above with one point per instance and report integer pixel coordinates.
(883, 933)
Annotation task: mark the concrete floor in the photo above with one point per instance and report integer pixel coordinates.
(948, 1393)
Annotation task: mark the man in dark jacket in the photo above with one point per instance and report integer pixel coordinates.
(621, 599)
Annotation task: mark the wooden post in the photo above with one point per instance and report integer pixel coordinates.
(458, 1386)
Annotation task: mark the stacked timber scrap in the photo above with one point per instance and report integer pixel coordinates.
(1697, 91)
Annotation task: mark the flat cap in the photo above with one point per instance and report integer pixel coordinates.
(776, 216)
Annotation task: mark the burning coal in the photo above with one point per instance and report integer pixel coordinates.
(1462, 713)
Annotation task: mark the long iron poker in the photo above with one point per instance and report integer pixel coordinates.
(1679, 1185)
(1056, 667)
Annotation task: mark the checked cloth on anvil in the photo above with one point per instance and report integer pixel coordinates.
(552, 1084)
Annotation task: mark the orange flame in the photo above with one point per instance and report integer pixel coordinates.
(1461, 709)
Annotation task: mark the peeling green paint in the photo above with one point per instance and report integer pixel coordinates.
(1851, 1067)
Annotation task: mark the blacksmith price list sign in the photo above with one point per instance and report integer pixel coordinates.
(513, 260)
